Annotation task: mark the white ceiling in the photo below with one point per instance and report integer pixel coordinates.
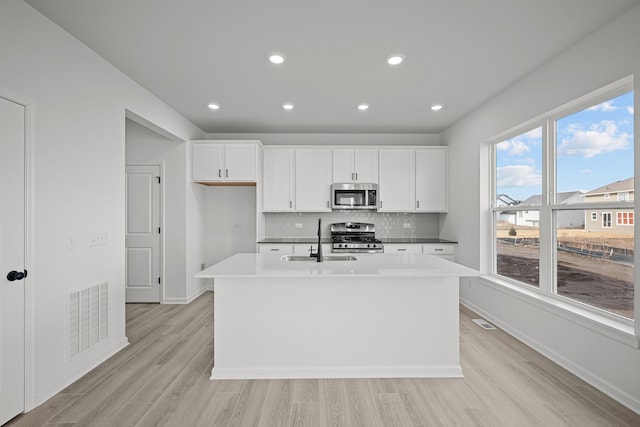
(460, 53)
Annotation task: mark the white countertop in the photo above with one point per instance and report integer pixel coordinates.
(379, 265)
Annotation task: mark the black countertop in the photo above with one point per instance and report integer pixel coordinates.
(389, 240)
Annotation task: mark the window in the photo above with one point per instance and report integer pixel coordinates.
(624, 218)
(573, 164)
(623, 197)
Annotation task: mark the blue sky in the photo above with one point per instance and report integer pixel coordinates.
(594, 148)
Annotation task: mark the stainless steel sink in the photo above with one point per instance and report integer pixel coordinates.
(325, 258)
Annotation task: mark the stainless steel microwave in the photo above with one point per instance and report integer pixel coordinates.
(354, 196)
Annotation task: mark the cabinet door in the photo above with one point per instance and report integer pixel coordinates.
(283, 249)
(366, 165)
(446, 251)
(240, 162)
(431, 179)
(397, 180)
(343, 160)
(313, 180)
(207, 162)
(278, 183)
(402, 248)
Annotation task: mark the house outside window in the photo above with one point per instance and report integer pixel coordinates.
(624, 218)
(582, 145)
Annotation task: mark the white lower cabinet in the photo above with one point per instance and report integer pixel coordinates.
(284, 249)
(402, 248)
(446, 250)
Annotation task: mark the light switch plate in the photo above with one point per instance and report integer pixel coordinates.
(98, 238)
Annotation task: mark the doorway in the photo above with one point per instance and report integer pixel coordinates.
(13, 274)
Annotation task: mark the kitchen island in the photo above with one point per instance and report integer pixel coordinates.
(380, 316)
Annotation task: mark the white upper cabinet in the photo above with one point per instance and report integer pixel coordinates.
(431, 179)
(224, 161)
(355, 165)
(313, 180)
(278, 184)
(413, 179)
(397, 180)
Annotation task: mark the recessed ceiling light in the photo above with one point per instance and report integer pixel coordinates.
(395, 59)
(363, 107)
(214, 106)
(436, 107)
(277, 58)
(287, 106)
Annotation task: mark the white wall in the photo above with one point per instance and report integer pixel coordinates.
(78, 186)
(144, 146)
(607, 56)
(230, 222)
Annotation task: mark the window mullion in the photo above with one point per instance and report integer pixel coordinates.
(547, 232)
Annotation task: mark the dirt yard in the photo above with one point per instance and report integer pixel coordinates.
(597, 282)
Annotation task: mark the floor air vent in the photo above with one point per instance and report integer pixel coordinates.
(483, 324)
(87, 317)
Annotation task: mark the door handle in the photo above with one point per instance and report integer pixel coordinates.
(16, 275)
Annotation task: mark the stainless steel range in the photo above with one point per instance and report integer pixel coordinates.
(355, 237)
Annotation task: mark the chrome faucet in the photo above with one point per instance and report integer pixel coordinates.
(318, 254)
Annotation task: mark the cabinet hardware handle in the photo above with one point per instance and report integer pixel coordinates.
(274, 249)
(356, 176)
(327, 203)
(380, 204)
(438, 249)
(417, 204)
(290, 204)
(226, 172)
(219, 173)
(402, 249)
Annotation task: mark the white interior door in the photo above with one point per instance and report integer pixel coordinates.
(143, 234)
(12, 250)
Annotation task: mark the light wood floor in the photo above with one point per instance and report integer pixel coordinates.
(162, 378)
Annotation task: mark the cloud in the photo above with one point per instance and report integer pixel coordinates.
(517, 176)
(534, 134)
(630, 109)
(586, 171)
(600, 138)
(514, 147)
(604, 107)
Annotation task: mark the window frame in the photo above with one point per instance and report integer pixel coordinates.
(547, 289)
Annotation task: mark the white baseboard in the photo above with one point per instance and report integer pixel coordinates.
(631, 402)
(338, 372)
(196, 294)
(49, 392)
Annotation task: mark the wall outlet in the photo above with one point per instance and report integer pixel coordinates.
(407, 225)
(202, 266)
(98, 238)
(298, 225)
(70, 242)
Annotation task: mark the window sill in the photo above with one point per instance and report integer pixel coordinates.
(617, 329)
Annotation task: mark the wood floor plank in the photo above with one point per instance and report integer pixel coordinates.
(306, 390)
(219, 410)
(276, 411)
(334, 407)
(305, 414)
(392, 411)
(162, 379)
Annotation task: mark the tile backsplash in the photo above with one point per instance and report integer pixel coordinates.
(280, 225)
